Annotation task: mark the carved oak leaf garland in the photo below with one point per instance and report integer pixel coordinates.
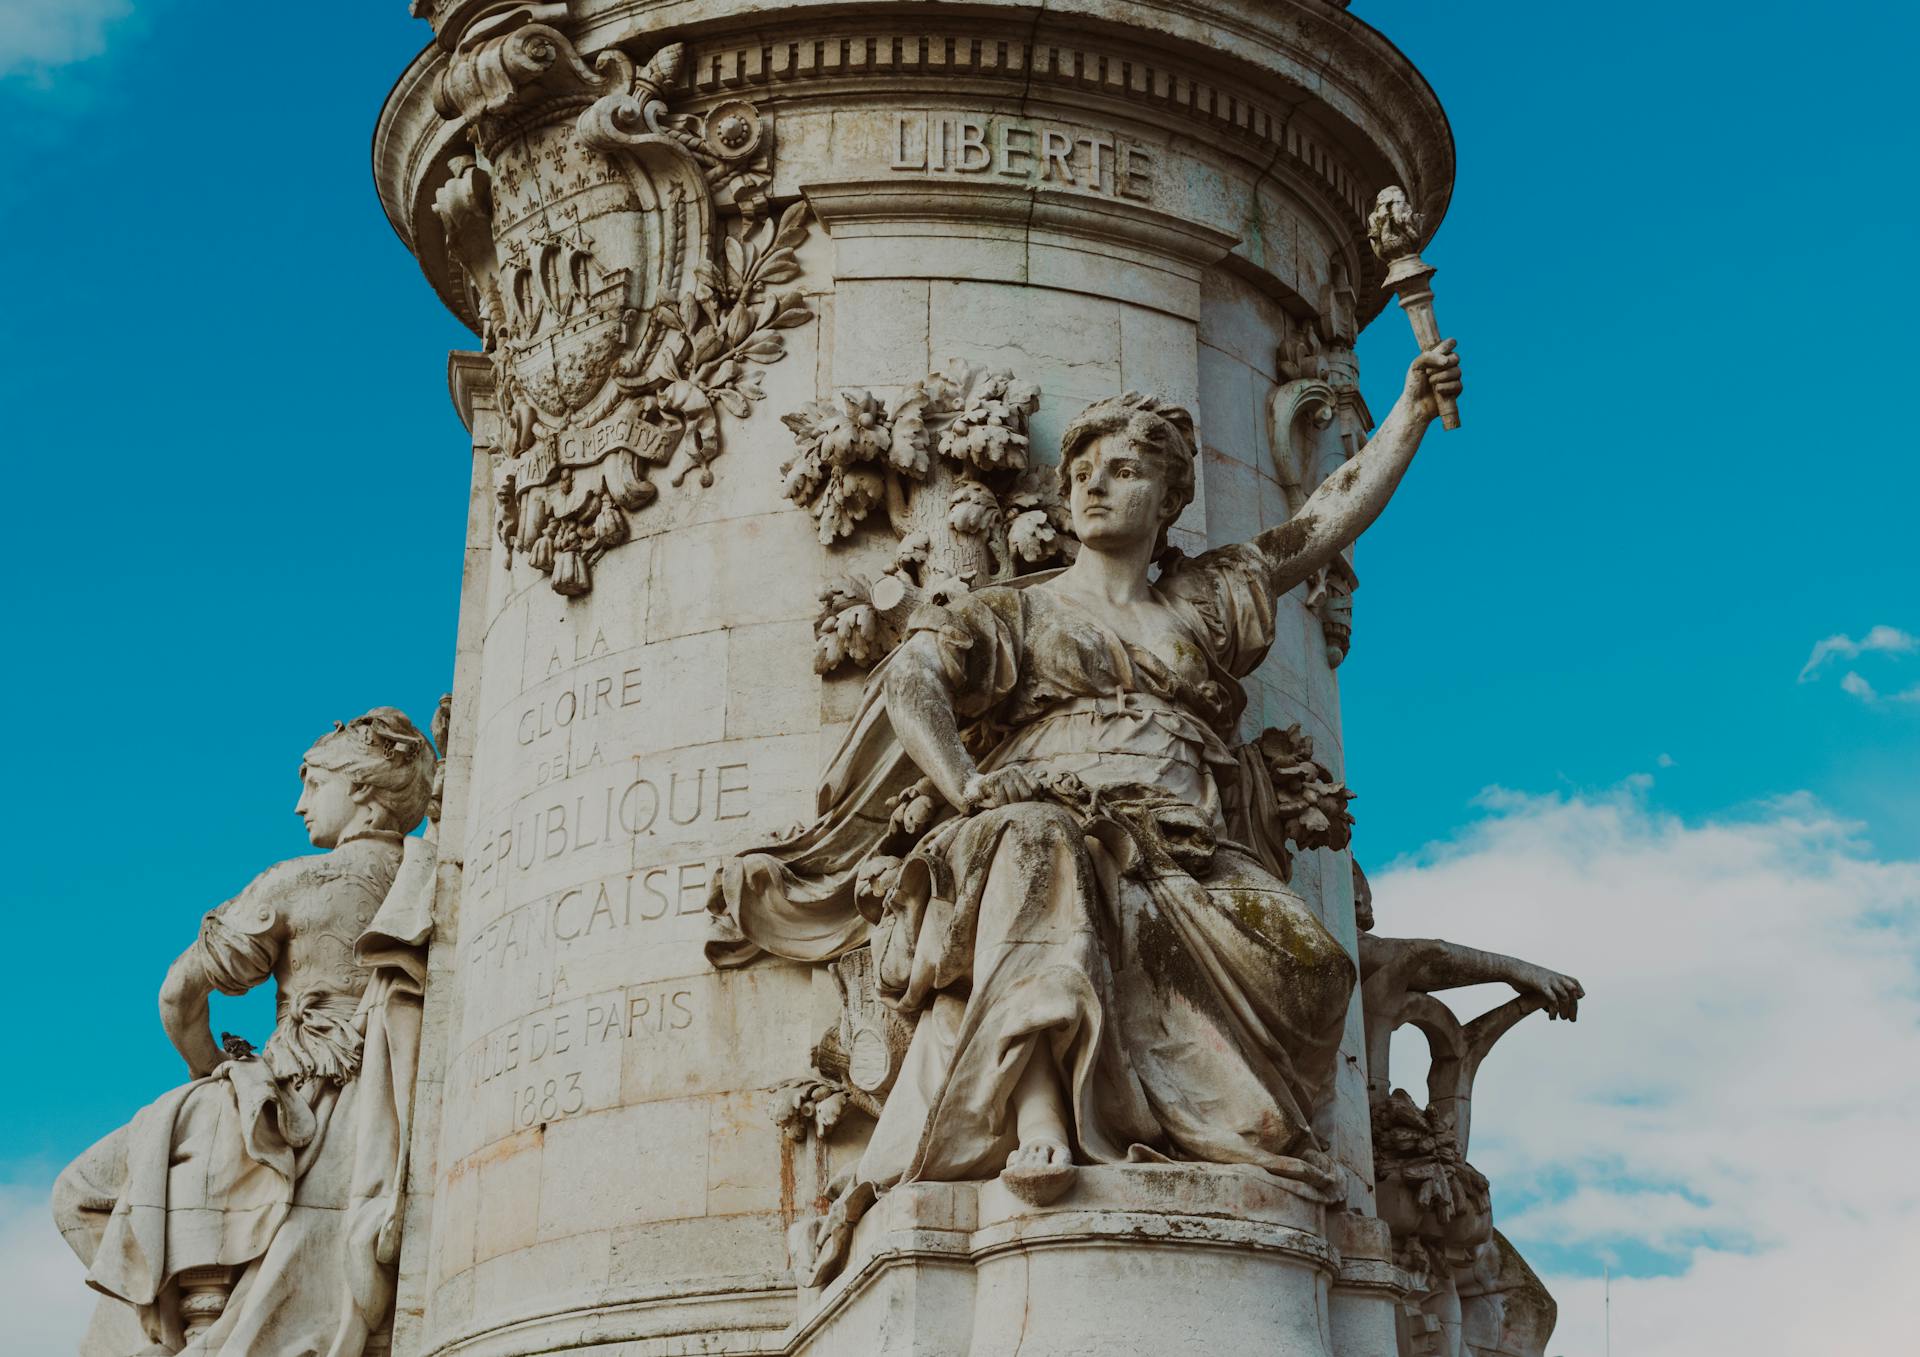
(949, 460)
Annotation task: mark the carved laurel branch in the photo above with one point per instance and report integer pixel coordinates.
(950, 461)
(729, 322)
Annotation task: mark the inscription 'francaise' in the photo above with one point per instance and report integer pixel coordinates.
(956, 143)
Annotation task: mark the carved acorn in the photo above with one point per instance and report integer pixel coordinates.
(609, 524)
(570, 573)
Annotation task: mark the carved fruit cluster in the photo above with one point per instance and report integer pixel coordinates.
(950, 462)
(1309, 805)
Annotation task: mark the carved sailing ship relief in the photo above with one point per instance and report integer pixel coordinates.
(625, 264)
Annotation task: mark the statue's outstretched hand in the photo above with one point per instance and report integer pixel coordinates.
(1004, 787)
(1561, 992)
(1434, 373)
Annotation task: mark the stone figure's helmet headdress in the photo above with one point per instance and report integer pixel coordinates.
(1154, 428)
(385, 753)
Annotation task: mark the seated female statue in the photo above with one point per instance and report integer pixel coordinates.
(252, 1212)
(1064, 866)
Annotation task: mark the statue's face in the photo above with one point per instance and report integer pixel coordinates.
(326, 805)
(1118, 495)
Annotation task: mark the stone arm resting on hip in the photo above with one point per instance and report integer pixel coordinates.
(183, 1012)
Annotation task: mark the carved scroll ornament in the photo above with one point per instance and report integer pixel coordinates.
(1319, 388)
(622, 314)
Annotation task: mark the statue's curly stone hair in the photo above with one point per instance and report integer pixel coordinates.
(1154, 428)
(386, 753)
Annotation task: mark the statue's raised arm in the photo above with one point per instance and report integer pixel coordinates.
(1347, 502)
(1069, 875)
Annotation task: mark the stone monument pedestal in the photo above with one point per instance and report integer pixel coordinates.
(1136, 1260)
(893, 772)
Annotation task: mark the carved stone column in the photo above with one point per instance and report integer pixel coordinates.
(672, 226)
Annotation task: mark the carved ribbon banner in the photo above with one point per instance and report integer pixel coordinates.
(622, 318)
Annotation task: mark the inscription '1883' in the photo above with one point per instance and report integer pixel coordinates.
(1039, 153)
(521, 1050)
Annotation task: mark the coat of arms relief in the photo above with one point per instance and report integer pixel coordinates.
(626, 266)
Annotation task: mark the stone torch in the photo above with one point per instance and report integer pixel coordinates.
(1394, 230)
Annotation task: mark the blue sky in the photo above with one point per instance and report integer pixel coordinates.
(1675, 261)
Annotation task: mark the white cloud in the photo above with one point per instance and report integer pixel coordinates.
(42, 1292)
(37, 34)
(1855, 686)
(1740, 1094)
(1881, 639)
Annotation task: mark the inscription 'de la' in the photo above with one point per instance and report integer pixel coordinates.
(1035, 152)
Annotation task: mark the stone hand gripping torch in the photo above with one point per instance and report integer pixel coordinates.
(1394, 230)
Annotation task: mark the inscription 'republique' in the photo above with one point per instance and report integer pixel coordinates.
(635, 808)
(1036, 152)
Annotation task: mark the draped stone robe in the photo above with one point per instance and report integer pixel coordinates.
(285, 1167)
(1131, 924)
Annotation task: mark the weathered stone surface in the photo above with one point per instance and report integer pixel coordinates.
(1132, 1262)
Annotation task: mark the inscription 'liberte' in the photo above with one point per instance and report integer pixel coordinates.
(960, 143)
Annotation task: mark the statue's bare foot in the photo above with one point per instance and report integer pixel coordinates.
(1039, 1171)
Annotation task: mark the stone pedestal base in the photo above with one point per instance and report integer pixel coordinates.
(1135, 1259)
